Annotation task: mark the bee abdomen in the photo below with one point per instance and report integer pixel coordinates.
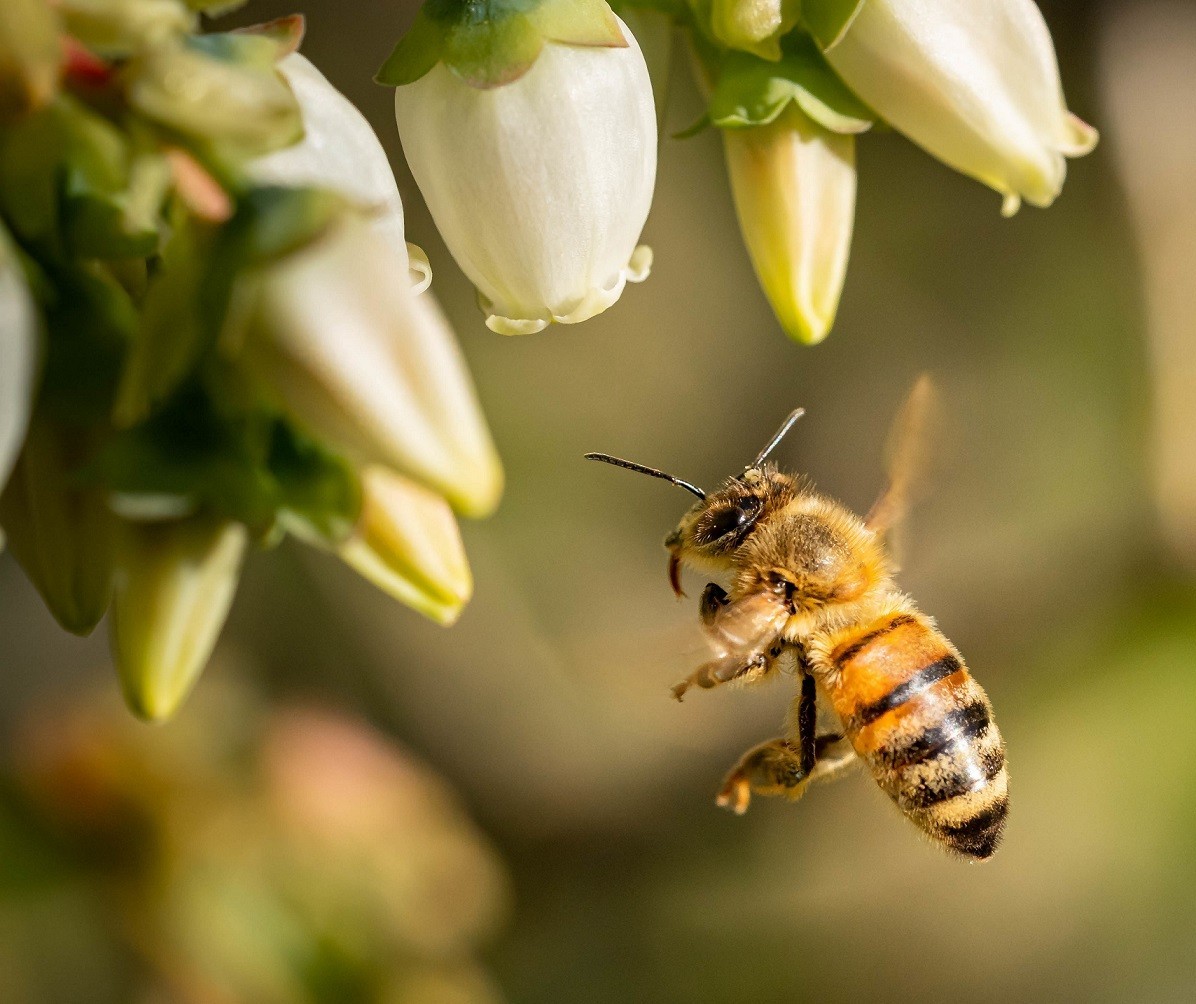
(925, 727)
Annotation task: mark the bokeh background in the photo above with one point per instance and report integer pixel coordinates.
(359, 805)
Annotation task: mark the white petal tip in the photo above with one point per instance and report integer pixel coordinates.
(515, 325)
(1011, 204)
(593, 302)
(1081, 137)
(419, 268)
(640, 265)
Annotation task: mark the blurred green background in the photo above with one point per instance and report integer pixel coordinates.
(1057, 549)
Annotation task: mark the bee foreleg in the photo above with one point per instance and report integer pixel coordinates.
(714, 598)
(716, 672)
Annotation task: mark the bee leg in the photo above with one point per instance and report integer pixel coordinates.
(772, 768)
(719, 671)
(784, 767)
(714, 598)
(775, 768)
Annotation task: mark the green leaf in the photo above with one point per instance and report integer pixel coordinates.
(751, 91)
(828, 20)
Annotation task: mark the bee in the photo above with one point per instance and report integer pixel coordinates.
(811, 590)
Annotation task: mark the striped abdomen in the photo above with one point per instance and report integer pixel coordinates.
(924, 726)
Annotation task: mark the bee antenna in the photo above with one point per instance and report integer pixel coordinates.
(780, 434)
(606, 458)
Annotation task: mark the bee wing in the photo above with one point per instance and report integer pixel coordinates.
(906, 455)
(747, 626)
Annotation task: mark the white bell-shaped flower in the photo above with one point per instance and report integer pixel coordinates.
(341, 152)
(18, 358)
(973, 82)
(372, 367)
(540, 187)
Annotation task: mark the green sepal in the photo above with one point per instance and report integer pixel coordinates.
(252, 466)
(190, 303)
(285, 32)
(750, 91)
(215, 8)
(416, 53)
(488, 43)
(829, 20)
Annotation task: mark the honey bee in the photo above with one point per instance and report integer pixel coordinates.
(811, 589)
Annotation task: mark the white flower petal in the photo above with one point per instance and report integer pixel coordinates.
(18, 359)
(339, 151)
(374, 368)
(539, 187)
(974, 83)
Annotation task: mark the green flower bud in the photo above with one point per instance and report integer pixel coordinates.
(220, 92)
(59, 528)
(120, 28)
(407, 544)
(794, 184)
(174, 585)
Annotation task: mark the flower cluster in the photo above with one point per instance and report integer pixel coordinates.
(212, 334)
(529, 127)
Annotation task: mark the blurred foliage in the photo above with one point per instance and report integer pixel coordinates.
(245, 854)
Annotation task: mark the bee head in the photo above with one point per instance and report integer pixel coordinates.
(718, 524)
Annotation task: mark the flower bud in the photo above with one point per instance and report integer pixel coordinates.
(238, 102)
(59, 528)
(753, 25)
(794, 184)
(341, 152)
(29, 56)
(173, 588)
(976, 85)
(18, 357)
(540, 187)
(407, 544)
(371, 367)
(119, 28)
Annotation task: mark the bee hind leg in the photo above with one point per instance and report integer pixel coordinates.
(775, 768)
(783, 767)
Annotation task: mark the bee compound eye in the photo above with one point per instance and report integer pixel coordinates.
(726, 522)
